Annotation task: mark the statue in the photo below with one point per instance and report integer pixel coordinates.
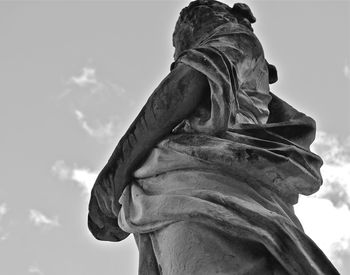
(207, 174)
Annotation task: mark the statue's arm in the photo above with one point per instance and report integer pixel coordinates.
(174, 99)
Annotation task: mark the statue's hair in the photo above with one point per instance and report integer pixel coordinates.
(202, 16)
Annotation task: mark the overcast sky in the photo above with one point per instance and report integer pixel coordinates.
(75, 74)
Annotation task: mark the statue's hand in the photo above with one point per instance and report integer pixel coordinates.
(103, 217)
(107, 190)
(121, 180)
(104, 206)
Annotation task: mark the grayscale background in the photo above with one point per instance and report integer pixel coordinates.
(73, 76)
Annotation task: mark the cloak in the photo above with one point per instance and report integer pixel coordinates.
(234, 168)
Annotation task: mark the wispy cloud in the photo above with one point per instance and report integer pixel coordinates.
(346, 71)
(98, 131)
(4, 236)
(3, 209)
(96, 103)
(39, 219)
(85, 178)
(61, 170)
(35, 270)
(326, 214)
(87, 77)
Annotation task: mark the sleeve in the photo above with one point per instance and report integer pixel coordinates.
(173, 100)
(223, 85)
(237, 74)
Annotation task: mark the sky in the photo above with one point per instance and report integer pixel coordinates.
(75, 74)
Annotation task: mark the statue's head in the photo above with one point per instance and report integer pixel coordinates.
(203, 16)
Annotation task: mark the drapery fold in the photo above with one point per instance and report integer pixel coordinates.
(245, 190)
(236, 166)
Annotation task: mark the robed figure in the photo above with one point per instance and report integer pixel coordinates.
(207, 175)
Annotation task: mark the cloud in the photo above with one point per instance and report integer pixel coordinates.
(85, 178)
(35, 270)
(327, 225)
(346, 71)
(87, 77)
(326, 214)
(335, 153)
(99, 130)
(82, 176)
(96, 103)
(61, 170)
(39, 219)
(88, 86)
(4, 236)
(3, 210)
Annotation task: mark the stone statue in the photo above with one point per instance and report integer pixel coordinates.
(207, 174)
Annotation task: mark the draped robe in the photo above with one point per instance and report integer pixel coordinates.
(209, 203)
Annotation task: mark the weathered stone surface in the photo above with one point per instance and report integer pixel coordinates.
(207, 175)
